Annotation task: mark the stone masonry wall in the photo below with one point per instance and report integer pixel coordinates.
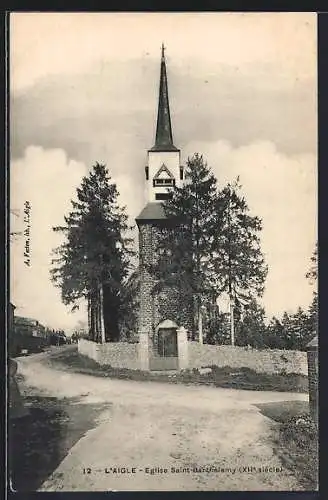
(313, 382)
(87, 348)
(125, 355)
(165, 305)
(262, 361)
(115, 354)
(146, 309)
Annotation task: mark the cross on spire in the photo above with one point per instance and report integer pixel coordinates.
(163, 54)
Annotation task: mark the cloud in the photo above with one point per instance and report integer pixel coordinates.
(279, 188)
(111, 110)
(282, 190)
(242, 92)
(72, 41)
(47, 180)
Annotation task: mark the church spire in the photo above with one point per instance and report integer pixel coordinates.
(164, 139)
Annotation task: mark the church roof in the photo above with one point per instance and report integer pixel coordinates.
(164, 138)
(152, 211)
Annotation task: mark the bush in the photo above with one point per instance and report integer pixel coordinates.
(299, 448)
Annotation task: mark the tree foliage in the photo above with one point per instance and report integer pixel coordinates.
(293, 331)
(217, 247)
(131, 301)
(192, 208)
(96, 251)
(183, 253)
(312, 274)
(238, 261)
(251, 328)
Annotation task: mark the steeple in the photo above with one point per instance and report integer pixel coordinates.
(164, 139)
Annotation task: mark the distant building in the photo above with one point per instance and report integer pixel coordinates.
(26, 335)
(29, 326)
(11, 317)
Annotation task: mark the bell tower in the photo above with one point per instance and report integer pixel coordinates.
(163, 170)
(162, 173)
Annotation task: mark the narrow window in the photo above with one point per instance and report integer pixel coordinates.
(147, 173)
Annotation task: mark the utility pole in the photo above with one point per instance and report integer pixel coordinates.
(101, 306)
(232, 323)
(89, 317)
(200, 326)
(202, 311)
(101, 313)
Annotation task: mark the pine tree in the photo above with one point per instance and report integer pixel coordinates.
(130, 298)
(219, 330)
(239, 265)
(250, 330)
(275, 334)
(313, 316)
(217, 248)
(93, 262)
(184, 254)
(288, 333)
(312, 276)
(295, 330)
(302, 333)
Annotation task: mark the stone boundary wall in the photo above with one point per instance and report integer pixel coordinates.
(262, 361)
(126, 355)
(115, 354)
(87, 348)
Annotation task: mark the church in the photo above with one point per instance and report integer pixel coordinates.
(161, 339)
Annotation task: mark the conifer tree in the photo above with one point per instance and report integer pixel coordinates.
(93, 261)
(185, 253)
(130, 297)
(250, 330)
(312, 276)
(275, 334)
(238, 262)
(218, 247)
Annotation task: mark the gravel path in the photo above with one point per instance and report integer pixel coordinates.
(158, 436)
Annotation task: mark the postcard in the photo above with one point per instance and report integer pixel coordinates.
(162, 313)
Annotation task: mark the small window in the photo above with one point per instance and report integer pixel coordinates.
(181, 173)
(163, 182)
(147, 173)
(163, 196)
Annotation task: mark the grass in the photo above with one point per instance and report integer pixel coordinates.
(226, 377)
(296, 441)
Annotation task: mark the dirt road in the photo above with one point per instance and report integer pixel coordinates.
(158, 436)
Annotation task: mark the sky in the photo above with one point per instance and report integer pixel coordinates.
(242, 89)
